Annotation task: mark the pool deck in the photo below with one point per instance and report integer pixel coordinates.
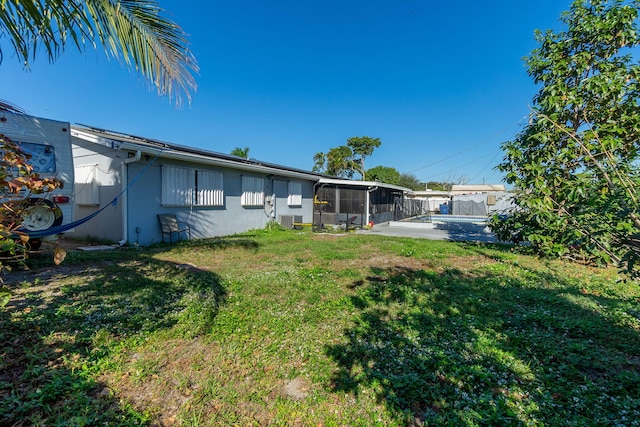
(454, 231)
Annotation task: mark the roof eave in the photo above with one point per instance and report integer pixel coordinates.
(169, 152)
(371, 184)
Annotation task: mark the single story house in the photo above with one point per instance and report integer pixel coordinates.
(134, 179)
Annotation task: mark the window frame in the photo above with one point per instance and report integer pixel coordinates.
(294, 199)
(214, 187)
(183, 186)
(252, 191)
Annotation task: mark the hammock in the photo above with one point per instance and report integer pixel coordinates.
(36, 234)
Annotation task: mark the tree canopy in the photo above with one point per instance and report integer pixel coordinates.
(362, 147)
(346, 160)
(575, 166)
(385, 174)
(409, 180)
(241, 152)
(340, 162)
(132, 31)
(436, 185)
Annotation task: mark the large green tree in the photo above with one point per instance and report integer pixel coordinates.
(338, 161)
(385, 174)
(319, 162)
(131, 31)
(575, 166)
(346, 160)
(362, 147)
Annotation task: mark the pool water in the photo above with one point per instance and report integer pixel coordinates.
(447, 218)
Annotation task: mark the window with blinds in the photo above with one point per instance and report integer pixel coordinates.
(191, 187)
(252, 191)
(295, 194)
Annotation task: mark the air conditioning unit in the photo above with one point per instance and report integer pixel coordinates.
(286, 221)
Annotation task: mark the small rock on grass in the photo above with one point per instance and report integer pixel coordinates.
(297, 389)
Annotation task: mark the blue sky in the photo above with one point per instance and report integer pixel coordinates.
(442, 84)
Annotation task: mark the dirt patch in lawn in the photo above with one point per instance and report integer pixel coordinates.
(167, 382)
(161, 381)
(19, 274)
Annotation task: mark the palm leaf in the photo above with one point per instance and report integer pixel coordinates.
(131, 31)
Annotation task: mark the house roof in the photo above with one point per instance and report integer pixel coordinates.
(476, 188)
(430, 193)
(353, 183)
(164, 149)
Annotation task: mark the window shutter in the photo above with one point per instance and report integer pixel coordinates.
(252, 191)
(177, 187)
(210, 188)
(295, 194)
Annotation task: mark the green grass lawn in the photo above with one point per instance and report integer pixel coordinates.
(291, 328)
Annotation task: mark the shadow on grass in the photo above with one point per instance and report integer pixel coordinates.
(57, 336)
(44, 257)
(244, 241)
(462, 349)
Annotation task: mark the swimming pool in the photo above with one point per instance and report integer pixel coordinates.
(446, 218)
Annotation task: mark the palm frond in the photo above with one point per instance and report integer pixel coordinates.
(132, 31)
(46, 24)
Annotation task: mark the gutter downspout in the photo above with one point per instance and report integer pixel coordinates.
(125, 197)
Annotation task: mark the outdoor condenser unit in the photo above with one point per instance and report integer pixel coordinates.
(286, 220)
